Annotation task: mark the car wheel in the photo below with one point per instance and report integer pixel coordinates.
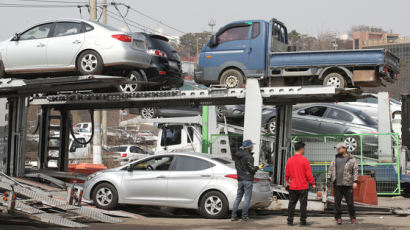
(214, 205)
(232, 78)
(352, 143)
(130, 88)
(90, 62)
(271, 125)
(220, 113)
(148, 112)
(334, 79)
(105, 196)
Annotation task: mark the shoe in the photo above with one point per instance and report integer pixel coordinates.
(339, 221)
(234, 218)
(354, 221)
(303, 223)
(290, 223)
(245, 219)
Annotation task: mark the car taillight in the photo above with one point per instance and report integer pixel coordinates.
(255, 179)
(158, 53)
(373, 131)
(124, 155)
(122, 37)
(232, 176)
(162, 73)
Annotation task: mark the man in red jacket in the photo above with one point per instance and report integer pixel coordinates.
(298, 175)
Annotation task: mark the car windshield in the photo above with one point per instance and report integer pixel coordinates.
(118, 149)
(366, 118)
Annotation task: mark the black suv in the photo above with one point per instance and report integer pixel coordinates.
(165, 71)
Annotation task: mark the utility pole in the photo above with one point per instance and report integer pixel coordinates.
(97, 158)
(104, 112)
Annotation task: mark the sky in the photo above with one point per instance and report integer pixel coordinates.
(305, 16)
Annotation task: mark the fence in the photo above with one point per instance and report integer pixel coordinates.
(374, 160)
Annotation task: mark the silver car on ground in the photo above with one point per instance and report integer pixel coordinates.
(85, 46)
(180, 180)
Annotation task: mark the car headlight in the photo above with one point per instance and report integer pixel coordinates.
(93, 175)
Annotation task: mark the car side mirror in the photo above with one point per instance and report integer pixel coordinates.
(291, 48)
(302, 112)
(16, 37)
(73, 148)
(213, 42)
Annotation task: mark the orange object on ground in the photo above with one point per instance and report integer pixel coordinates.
(366, 191)
(85, 168)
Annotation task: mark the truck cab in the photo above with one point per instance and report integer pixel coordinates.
(238, 51)
(182, 138)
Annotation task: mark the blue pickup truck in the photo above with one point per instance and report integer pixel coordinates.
(259, 49)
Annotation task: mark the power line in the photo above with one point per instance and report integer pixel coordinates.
(55, 1)
(11, 5)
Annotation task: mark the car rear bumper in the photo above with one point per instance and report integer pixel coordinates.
(259, 199)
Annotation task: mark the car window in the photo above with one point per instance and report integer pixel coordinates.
(88, 27)
(171, 135)
(316, 111)
(118, 149)
(184, 163)
(233, 34)
(339, 115)
(79, 145)
(38, 32)
(85, 126)
(365, 118)
(135, 149)
(66, 28)
(155, 164)
(256, 28)
(372, 100)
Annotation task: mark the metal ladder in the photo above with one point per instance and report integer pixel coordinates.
(32, 202)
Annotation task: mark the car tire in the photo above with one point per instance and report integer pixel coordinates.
(214, 205)
(232, 78)
(90, 62)
(334, 79)
(148, 112)
(105, 196)
(352, 143)
(130, 88)
(2, 71)
(271, 125)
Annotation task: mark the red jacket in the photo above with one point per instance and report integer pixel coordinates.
(299, 171)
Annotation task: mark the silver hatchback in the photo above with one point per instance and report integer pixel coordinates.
(180, 180)
(72, 45)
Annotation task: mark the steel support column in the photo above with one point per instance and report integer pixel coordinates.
(43, 138)
(282, 142)
(17, 136)
(62, 162)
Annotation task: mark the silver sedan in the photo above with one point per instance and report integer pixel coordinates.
(180, 180)
(72, 45)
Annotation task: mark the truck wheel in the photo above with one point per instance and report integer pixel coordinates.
(334, 79)
(105, 196)
(214, 205)
(90, 62)
(130, 88)
(232, 78)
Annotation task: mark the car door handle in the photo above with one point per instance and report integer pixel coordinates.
(41, 45)
(76, 42)
(162, 176)
(206, 175)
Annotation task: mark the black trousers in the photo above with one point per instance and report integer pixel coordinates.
(294, 197)
(347, 193)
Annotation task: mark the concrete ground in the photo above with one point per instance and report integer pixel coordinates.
(156, 218)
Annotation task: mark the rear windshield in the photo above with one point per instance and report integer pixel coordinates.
(118, 149)
(366, 118)
(156, 43)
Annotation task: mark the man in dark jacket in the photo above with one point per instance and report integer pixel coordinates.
(343, 175)
(246, 171)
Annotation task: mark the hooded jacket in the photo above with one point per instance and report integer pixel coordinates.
(244, 165)
(350, 173)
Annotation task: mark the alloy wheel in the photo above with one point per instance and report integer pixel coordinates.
(272, 127)
(351, 144)
(104, 196)
(129, 88)
(213, 205)
(148, 112)
(220, 112)
(89, 62)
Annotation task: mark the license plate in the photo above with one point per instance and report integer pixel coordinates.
(173, 64)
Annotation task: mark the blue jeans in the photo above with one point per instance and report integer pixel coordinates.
(244, 188)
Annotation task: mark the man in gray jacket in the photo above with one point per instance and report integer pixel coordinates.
(343, 175)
